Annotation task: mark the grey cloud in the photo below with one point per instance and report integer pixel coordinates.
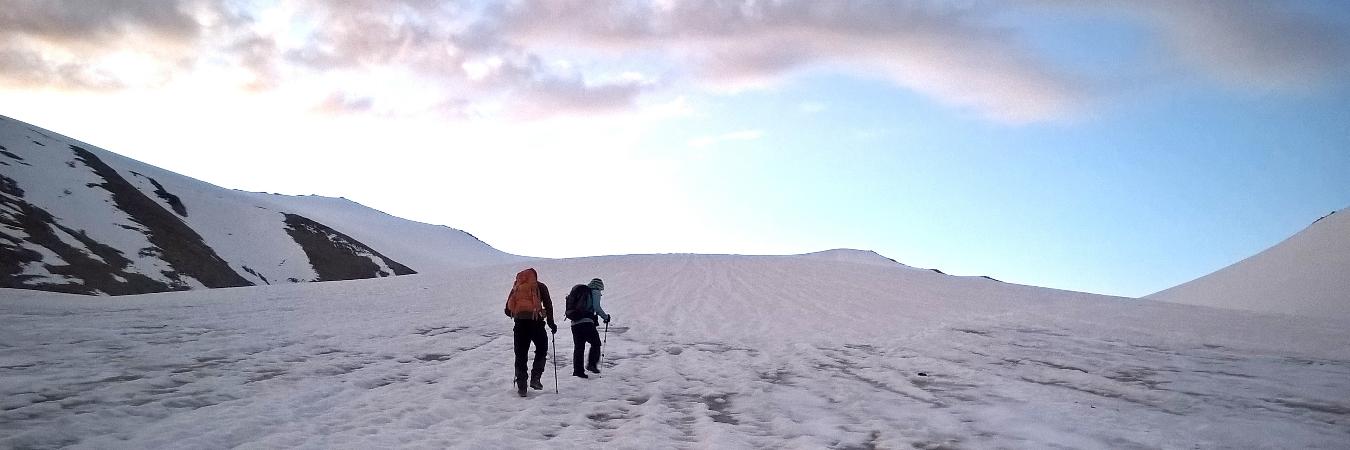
(27, 69)
(947, 52)
(434, 40)
(259, 54)
(92, 21)
(547, 96)
(534, 90)
(1254, 43)
(1245, 44)
(86, 30)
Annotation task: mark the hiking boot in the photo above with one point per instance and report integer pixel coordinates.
(521, 391)
(593, 369)
(580, 375)
(535, 384)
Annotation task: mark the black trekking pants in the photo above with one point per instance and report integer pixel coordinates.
(527, 331)
(582, 334)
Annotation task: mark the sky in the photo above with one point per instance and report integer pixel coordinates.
(1107, 147)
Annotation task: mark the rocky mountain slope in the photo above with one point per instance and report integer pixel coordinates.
(79, 219)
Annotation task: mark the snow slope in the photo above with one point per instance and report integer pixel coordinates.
(853, 256)
(1307, 274)
(424, 247)
(706, 351)
(76, 218)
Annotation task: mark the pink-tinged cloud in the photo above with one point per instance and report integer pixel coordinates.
(533, 58)
(946, 53)
(57, 43)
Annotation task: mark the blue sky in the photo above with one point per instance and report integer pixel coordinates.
(1110, 147)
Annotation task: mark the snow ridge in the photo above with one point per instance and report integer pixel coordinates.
(75, 218)
(1307, 274)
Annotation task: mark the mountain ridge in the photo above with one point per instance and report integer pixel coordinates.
(76, 218)
(1305, 274)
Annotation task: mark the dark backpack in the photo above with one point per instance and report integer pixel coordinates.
(579, 303)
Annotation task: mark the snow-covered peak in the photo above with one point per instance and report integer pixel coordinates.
(80, 219)
(422, 246)
(1307, 274)
(853, 256)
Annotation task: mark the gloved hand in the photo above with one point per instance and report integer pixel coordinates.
(553, 328)
(606, 319)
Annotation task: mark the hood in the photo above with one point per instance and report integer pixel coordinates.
(527, 276)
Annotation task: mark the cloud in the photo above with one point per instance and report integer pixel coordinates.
(539, 58)
(742, 135)
(1245, 44)
(1253, 44)
(72, 44)
(27, 69)
(947, 53)
(79, 21)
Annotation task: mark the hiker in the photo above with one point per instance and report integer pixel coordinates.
(583, 309)
(531, 307)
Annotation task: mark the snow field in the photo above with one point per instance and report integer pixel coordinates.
(706, 351)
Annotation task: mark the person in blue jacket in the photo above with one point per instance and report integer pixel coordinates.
(584, 310)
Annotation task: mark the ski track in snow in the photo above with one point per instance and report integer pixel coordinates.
(424, 362)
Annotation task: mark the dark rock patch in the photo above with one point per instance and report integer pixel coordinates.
(336, 256)
(12, 156)
(97, 274)
(256, 274)
(9, 186)
(182, 248)
(173, 200)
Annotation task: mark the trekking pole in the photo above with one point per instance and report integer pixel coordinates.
(605, 341)
(555, 362)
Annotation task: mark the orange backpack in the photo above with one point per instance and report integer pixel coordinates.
(523, 302)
